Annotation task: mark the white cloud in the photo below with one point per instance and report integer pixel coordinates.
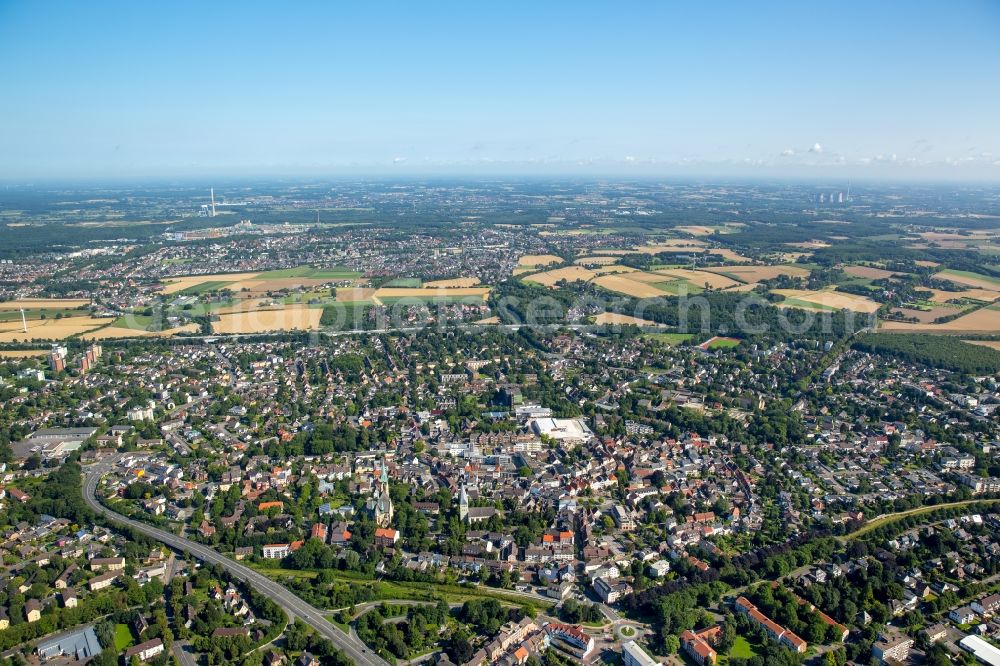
(630, 158)
(397, 160)
(816, 148)
(787, 152)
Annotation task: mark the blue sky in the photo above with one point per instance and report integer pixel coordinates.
(884, 89)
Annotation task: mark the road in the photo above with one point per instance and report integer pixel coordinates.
(294, 606)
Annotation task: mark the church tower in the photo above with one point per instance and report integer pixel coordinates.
(463, 505)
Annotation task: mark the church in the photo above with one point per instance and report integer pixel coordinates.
(379, 505)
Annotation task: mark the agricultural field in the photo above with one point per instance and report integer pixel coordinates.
(295, 317)
(970, 279)
(22, 353)
(940, 296)
(596, 260)
(50, 329)
(487, 321)
(825, 299)
(992, 344)
(112, 332)
(615, 319)
(195, 283)
(623, 284)
(536, 260)
(405, 283)
(755, 274)
(929, 315)
(569, 273)
(984, 320)
(701, 279)
(290, 278)
(45, 304)
(868, 272)
(355, 294)
(704, 230)
(452, 283)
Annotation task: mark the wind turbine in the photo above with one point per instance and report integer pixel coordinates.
(24, 322)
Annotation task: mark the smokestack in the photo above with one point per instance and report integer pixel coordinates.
(212, 190)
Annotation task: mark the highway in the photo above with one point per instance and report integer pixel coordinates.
(295, 607)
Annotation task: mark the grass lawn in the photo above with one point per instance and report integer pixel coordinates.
(332, 273)
(668, 338)
(741, 649)
(123, 637)
(722, 343)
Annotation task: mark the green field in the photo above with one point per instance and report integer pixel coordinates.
(204, 287)
(409, 283)
(806, 305)
(722, 343)
(136, 322)
(668, 338)
(386, 590)
(332, 273)
(675, 287)
(969, 274)
(123, 637)
(37, 313)
(741, 649)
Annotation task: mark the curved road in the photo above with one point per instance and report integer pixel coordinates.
(292, 604)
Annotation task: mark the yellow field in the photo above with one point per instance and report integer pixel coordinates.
(992, 344)
(488, 320)
(623, 320)
(697, 230)
(353, 295)
(986, 320)
(614, 268)
(43, 303)
(22, 353)
(754, 274)
(598, 260)
(940, 296)
(624, 285)
(454, 282)
(119, 332)
(570, 274)
(286, 319)
(969, 281)
(652, 278)
(173, 285)
(539, 260)
(728, 255)
(403, 292)
(833, 299)
(700, 278)
(926, 264)
(50, 329)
